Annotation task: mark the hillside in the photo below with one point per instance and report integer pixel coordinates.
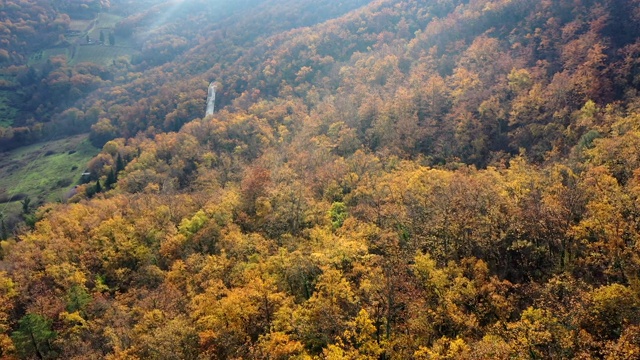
(389, 179)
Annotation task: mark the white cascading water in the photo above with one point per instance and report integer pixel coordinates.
(211, 99)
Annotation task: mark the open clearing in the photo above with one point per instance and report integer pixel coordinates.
(105, 23)
(106, 20)
(44, 171)
(79, 25)
(100, 54)
(41, 57)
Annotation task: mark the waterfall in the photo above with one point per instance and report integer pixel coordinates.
(211, 99)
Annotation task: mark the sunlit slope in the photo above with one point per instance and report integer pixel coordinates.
(472, 76)
(45, 172)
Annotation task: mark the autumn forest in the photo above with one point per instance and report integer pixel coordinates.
(386, 179)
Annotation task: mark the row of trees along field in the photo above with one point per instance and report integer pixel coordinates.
(451, 180)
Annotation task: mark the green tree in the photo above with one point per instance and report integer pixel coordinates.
(77, 298)
(4, 232)
(338, 214)
(112, 39)
(26, 205)
(119, 164)
(110, 180)
(101, 37)
(34, 337)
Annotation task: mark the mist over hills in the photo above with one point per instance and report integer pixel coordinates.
(390, 179)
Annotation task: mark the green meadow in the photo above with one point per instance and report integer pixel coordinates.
(44, 171)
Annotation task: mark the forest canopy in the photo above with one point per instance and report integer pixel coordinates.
(389, 179)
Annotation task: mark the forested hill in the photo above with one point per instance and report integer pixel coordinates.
(62, 56)
(389, 179)
(513, 74)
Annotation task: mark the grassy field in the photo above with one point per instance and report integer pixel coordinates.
(79, 25)
(101, 54)
(45, 171)
(106, 20)
(97, 53)
(105, 23)
(42, 56)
